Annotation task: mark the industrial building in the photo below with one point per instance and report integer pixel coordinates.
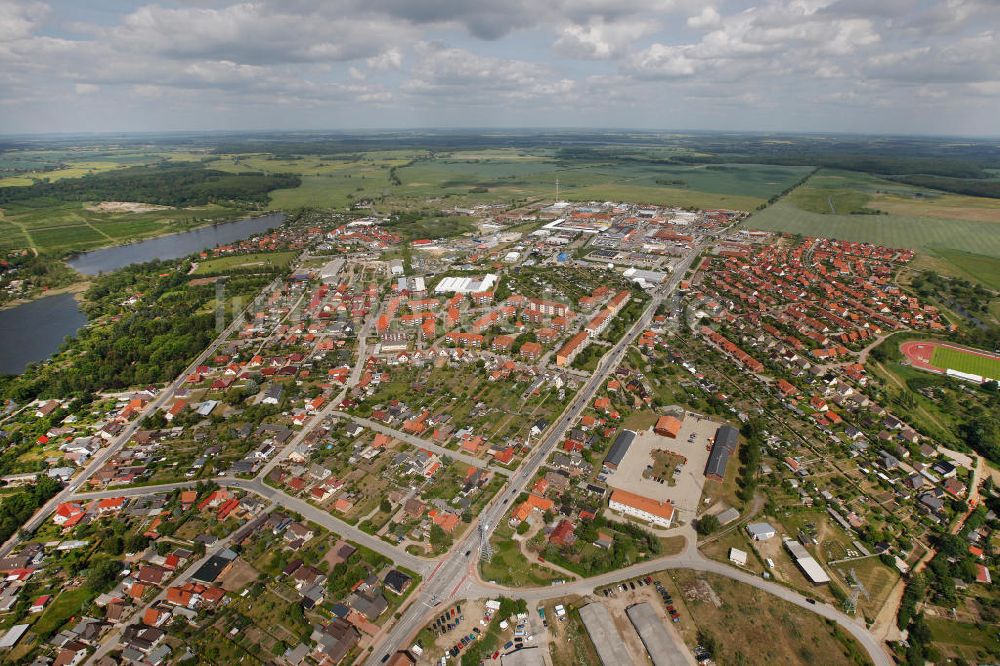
(659, 642)
(726, 439)
(810, 567)
(604, 635)
(618, 450)
(465, 285)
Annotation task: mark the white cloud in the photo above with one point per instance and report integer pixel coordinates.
(708, 18)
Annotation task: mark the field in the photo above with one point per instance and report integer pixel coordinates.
(73, 170)
(964, 640)
(63, 227)
(963, 361)
(266, 261)
(770, 630)
(961, 231)
(918, 232)
(937, 356)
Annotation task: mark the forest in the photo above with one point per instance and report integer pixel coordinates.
(180, 184)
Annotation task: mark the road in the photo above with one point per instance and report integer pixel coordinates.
(459, 565)
(419, 564)
(424, 444)
(454, 575)
(110, 640)
(130, 429)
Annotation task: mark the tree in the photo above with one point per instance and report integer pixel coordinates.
(707, 524)
(102, 574)
(385, 506)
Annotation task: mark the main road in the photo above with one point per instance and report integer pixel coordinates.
(459, 566)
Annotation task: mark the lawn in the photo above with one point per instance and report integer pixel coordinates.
(963, 361)
(976, 266)
(265, 261)
(510, 567)
(63, 607)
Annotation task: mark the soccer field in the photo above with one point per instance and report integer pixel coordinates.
(963, 361)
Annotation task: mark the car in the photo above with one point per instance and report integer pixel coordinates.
(811, 600)
(385, 658)
(631, 585)
(495, 655)
(508, 645)
(649, 579)
(468, 552)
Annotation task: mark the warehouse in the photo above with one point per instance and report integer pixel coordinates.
(618, 450)
(810, 567)
(603, 634)
(726, 438)
(660, 643)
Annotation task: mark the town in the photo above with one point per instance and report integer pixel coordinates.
(486, 446)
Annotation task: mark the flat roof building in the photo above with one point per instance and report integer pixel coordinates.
(603, 633)
(660, 643)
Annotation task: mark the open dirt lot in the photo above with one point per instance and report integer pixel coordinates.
(686, 494)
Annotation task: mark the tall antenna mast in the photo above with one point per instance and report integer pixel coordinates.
(557, 188)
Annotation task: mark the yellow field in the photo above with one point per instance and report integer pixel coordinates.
(75, 170)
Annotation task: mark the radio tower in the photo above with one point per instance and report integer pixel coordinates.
(557, 189)
(485, 549)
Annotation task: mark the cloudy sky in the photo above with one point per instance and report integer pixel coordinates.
(902, 66)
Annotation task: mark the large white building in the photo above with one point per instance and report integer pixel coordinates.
(465, 285)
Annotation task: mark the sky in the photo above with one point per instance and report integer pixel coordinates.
(869, 66)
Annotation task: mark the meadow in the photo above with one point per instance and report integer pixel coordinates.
(263, 261)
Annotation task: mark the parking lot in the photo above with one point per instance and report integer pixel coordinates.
(692, 442)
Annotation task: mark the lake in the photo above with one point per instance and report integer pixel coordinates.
(172, 246)
(34, 331)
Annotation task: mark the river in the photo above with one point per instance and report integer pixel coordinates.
(172, 246)
(34, 331)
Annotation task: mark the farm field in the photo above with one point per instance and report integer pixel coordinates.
(73, 170)
(963, 361)
(962, 639)
(960, 234)
(63, 227)
(926, 234)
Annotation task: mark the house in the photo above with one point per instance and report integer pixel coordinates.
(563, 535)
(397, 581)
(760, 531)
(39, 604)
(738, 557)
(334, 640)
(658, 513)
(68, 514)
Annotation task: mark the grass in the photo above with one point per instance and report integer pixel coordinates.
(72, 170)
(962, 638)
(753, 627)
(510, 567)
(979, 267)
(64, 227)
(963, 361)
(262, 260)
(920, 233)
(921, 219)
(63, 607)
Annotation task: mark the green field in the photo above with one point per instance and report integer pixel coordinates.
(920, 233)
(970, 265)
(265, 261)
(956, 359)
(58, 227)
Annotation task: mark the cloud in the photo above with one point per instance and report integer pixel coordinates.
(708, 18)
(599, 40)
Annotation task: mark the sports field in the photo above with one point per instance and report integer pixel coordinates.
(941, 356)
(965, 361)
